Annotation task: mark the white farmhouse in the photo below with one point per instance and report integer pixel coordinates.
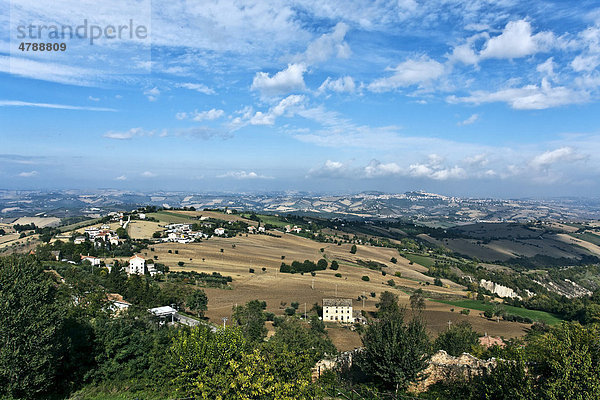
(339, 310)
(92, 260)
(219, 231)
(137, 265)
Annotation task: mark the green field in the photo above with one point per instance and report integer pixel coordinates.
(534, 315)
(273, 220)
(588, 237)
(72, 227)
(419, 259)
(171, 217)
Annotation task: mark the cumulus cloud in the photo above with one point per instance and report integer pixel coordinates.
(547, 159)
(286, 105)
(377, 169)
(326, 46)
(330, 169)
(121, 178)
(148, 174)
(285, 81)
(529, 97)
(243, 175)
(516, 40)
(340, 85)
(420, 71)
(198, 87)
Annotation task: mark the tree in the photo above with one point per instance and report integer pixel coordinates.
(353, 249)
(334, 265)
(122, 233)
(388, 304)
(395, 352)
(197, 301)
(251, 319)
(417, 301)
(460, 338)
(32, 316)
(365, 278)
(394, 260)
(322, 263)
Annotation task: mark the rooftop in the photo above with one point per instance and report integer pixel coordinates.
(337, 302)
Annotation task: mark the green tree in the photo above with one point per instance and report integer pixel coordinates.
(251, 318)
(460, 338)
(388, 304)
(417, 301)
(353, 249)
(395, 353)
(197, 301)
(32, 316)
(322, 263)
(566, 361)
(334, 265)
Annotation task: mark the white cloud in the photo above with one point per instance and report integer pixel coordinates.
(16, 103)
(377, 169)
(289, 104)
(148, 174)
(91, 98)
(549, 158)
(469, 120)
(152, 94)
(198, 87)
(29, 174)
(131, 133)
(243, 175)
(209, 115)
(516, 40)
(330, 169)
(529, 97)
(121, 178)
(340, 85)
(326, 46)
(285, 81)
(421, 71)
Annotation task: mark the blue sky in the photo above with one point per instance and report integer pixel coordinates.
(473, 98)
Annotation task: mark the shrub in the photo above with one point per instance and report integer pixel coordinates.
(295, 304)
(353, 249)
(437, 282)
(251, 270)
(263, 269)
(391, 283)
(398, 274)
(393, 260)
(465, 311)
(373, 294)
(290, 311)
(365, 278)
(180, 263)
(334, 265)
(338, 275)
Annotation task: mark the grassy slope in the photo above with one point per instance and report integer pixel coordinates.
(421, 260)
(588, 237)
(534, 315)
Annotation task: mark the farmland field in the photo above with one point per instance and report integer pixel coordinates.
(419, 259)
(522, 312)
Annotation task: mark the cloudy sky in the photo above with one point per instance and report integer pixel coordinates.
(474, 98)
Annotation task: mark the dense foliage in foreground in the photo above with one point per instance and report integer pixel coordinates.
(58, 340)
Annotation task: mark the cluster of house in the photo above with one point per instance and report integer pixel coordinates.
(182, 233)
(254, 229)
(99, 235)
(295, 229)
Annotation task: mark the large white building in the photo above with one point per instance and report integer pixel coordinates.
(137, 265)
(339, 310)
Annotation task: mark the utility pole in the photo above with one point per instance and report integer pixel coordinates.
(224, 320)
(363, 299)
(336, 290)
(304, 310)
(449, 323)
(312, 285)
